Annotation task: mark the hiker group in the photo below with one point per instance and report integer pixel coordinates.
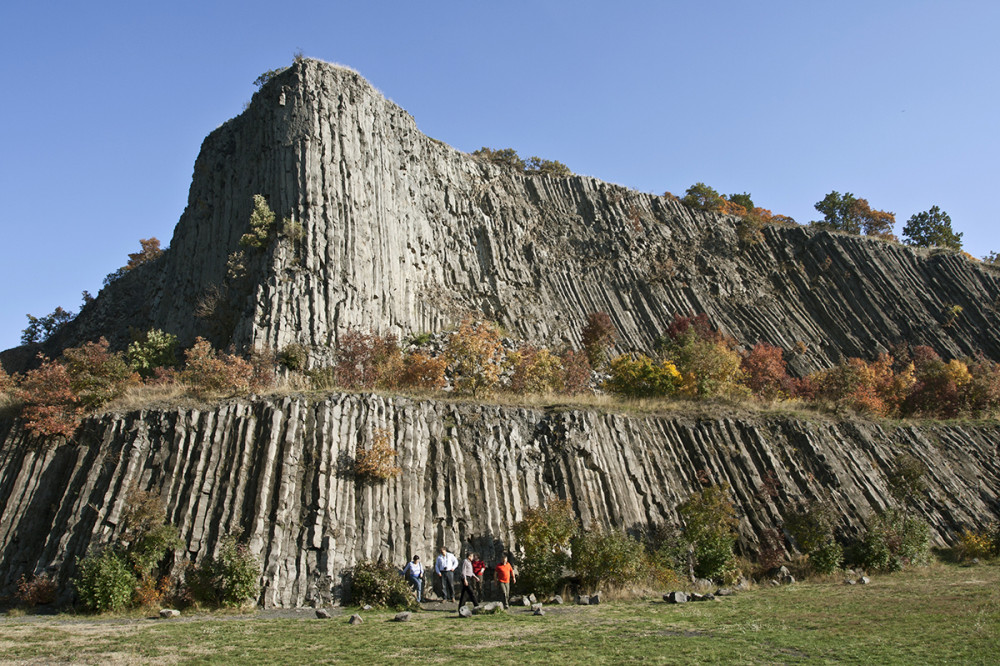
(468, 574)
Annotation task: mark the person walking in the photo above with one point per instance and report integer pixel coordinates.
(468, 577)
(413, 572)
(444, 568)
(505, 576)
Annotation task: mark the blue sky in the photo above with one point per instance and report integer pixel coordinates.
(105, 105)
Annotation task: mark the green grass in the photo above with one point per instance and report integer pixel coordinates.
(938, 614)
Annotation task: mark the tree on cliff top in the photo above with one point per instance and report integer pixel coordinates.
(932, 228)
(855, 216)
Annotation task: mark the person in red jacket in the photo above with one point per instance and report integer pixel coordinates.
(478, 567)
(505, 576)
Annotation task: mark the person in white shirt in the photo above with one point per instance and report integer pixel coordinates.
(444, 567)
(413, 572)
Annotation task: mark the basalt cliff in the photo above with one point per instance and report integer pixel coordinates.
(389, 230)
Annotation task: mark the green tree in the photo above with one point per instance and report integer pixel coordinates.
(702, 197)
(507, 157)
(742, 200)
(40, 329)
(710, 528)
(545, 534)
(845, 212)
(932, 228)
(536, 165)
(261, 224)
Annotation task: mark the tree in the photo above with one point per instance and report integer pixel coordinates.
(742, 200)
(855, 216)
(477, 357)
(150, 250)
(507, 157)
(932, 228)
(40, 329)
(702, 197)
(536, 165)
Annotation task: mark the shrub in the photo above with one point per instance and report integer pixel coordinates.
(827, 558)
(664, 554)
(104, 581)
(155, 349)
(151, 593)
(150, 251)
(50, 407)
(974, 545)
(145, 534)
(536, 371)
(261, 224)
(293, 356)
(980, 397)
(40, 329)
(209, 372)
(544, 534)
(576, 372)
(380, 585)
(506, 157)
(607, 558)
(639, 376)
(706, 358)
(421, 371)
(906, 479)
(377, 463)
(36, 591)
(6, 383)
(476, 355)
(702, 197)
(540, 167)
(894, 540)
(810, 524)
(366, 360)
(231, 578)
(598, 335)
(937, 385)
(864, 386)
(765, 372)
(97, 375)
(710, 528)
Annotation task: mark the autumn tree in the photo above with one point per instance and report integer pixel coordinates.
(50, 407)
(150, 250)
(932, 228)
(506, 157)
(853, 215)
(599, 335)
(702, 197)
(40, 329)
(476, 355)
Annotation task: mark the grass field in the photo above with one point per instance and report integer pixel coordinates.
(933, 615)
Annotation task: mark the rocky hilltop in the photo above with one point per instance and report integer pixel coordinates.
(279, 470)
(397, 232)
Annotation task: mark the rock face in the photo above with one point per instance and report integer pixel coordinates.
(396, 232)
(280, 471)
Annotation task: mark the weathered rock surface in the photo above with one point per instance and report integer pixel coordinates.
(401, 233)
(280, 471)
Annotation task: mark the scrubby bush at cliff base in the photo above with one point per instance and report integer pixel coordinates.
(536, 371)
(208, 372)
(104, 581)
(50, 407)
(544, 535)
(231, 578)
(894, 540)
(380, 585)
(36, 591)
(826, 558)
(598, 336)
(145, 534)
(639, 376)
(155, 349)
(710, 528)
(97, 375)
(476, 355)
(607, 558)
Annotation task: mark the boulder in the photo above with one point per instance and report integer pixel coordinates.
(788, 580)
(532, 599)
(535, 607)
(864, 580)
(725, 592)
(464, 612)
(676, 597)
(167, 613)
(355, 620)
(489, 608)
(595, 598)
(539, 612)
(557, 600)
(526, 601)
(402, 617)
(515, 600)
(322, 614)
(583, 599)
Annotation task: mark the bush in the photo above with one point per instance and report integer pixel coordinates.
(536, 371)
(544, 534)
(576, 372)
(706, 358)
(639, 376)
(506, 157)
(367, 360)
(598, 335)
(104, 581)
(476, 355)
(607, 558)
(827, 558)
(710, 528)
(765, 372)
(293, 356)
(381, 586)
(421, 371)
(975, 545)
(377, 463)
(261, 224)
(231, 578)
(50, 407)
(36, 591)
(895, 540)
(209, 372)
(155, 349)
(145, 534)
(97, 375)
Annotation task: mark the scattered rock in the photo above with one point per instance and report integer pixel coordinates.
(355, 620)
(864, 580)
(464, 611)
(742, 584)
(788, 580)
(708, 596)
(515, 600)
(322, 614)
(488, 608)
(725, 592)
(526, 601)
(532, 599)
(403, 617)
(583, 599)
(557, 600)
(167, 613)
(595, 598)
(366, 607)
(676, 597)
(536, 607)
(850, 581)
(539, 611)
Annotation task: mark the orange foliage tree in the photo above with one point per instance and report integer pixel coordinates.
(50, 407)
(476, 355)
